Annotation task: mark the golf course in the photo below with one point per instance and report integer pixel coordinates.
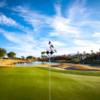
(49, 49)
(32, 83)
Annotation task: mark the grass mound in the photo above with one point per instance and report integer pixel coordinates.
(25, 83)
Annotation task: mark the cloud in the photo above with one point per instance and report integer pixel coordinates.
(68, 34)
(61, 27)
(78, 10)
(57, 23)
(20, 42)
(7, 21)
(81, 15)
(86, 45)
(65, 26)
(96, 34)
(83, 43)
(35, 19)
(58, 9)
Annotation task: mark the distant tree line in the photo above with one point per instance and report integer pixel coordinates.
(92, 58)
(12, 55)
(4, 53)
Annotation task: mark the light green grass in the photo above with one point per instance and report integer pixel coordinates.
(25, 83)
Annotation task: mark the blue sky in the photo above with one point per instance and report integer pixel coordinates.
(26, 26)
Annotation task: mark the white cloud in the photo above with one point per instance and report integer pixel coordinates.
(82, 42)
(78, 11)
(58, 9)
(63, 28)
(62, 25)
(96, 34)
(57, 23)
(7, 20)
(86, 45)
(35, 19)
(20, 42)
(82, 16)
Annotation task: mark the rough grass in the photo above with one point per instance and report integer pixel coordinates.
(25, 83)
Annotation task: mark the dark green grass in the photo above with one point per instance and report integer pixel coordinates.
(25, 83)
(77, 72)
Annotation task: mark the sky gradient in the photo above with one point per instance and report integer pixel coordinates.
(26, 26)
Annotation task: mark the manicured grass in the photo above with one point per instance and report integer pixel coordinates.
(32, 83)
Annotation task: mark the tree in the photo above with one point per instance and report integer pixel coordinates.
(92, 51)
(11, 54)
(2, 52)
(30, 57)
(22, 57)
(43, 53)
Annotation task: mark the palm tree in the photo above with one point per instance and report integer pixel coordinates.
(43, 53)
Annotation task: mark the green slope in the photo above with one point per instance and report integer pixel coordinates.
(33, 84)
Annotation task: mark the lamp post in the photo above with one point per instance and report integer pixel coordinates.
(51, 50)
(49, 53)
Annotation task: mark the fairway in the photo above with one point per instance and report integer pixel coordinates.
(32, 83)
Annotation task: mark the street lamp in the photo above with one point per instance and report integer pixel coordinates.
(49, 53)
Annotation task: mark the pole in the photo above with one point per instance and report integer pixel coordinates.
(49, 77)
(49, 54)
